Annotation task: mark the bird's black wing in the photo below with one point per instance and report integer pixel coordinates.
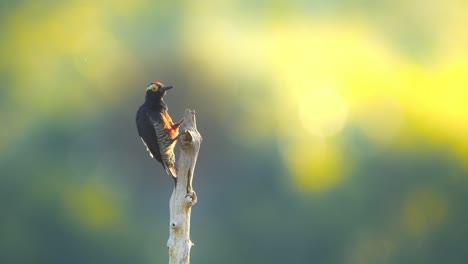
(148, 134)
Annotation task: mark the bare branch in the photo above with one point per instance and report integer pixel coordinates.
(183, 197)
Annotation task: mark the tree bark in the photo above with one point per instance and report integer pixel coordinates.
(183, 197)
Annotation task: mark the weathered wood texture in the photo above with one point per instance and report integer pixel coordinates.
(183, 197)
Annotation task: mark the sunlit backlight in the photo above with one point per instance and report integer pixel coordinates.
(326, 74)
(323, 112)
(381, 120)
(314, 166)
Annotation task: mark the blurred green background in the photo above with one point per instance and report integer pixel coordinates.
(334, 131)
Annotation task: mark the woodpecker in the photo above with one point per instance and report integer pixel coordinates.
(156, 129)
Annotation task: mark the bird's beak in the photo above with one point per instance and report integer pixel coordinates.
(165, 88)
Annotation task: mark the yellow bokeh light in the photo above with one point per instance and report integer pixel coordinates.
(424, 211)
(92, 206)
(315, 165)
(323, 111)
(381, 119)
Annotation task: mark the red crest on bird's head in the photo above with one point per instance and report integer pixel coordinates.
(158, 83)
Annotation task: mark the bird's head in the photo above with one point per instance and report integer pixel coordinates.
(156, 90)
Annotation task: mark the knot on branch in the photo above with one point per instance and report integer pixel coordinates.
(186, 139)
(191, 198)
(190, 138)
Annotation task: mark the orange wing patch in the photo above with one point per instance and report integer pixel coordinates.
(169, 125)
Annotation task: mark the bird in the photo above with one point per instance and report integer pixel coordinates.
(156, 128)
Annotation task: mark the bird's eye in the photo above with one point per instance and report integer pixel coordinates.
(155, 88)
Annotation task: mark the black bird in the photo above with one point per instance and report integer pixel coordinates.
(156, 129)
